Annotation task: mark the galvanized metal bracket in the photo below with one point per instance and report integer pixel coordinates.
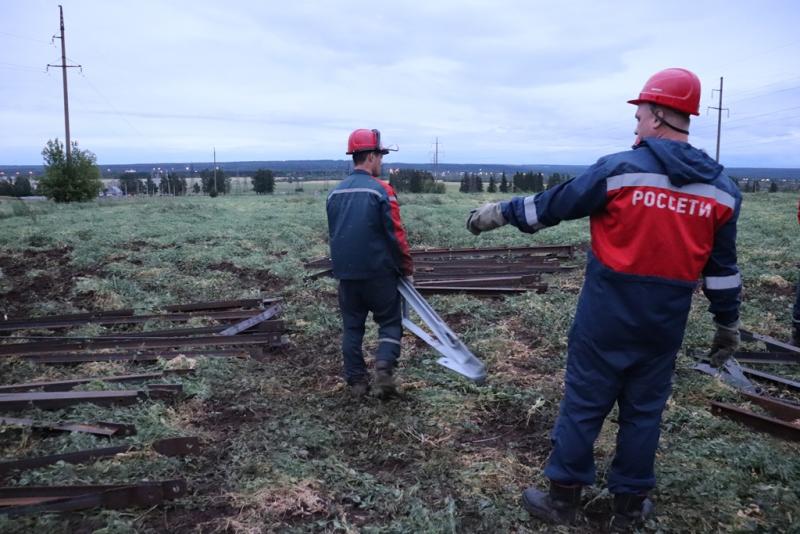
(455, 355)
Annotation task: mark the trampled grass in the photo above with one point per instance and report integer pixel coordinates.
(288, 449)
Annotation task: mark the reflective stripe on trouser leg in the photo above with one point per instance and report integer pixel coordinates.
(647, 387)
(354, 315)
(384, 300)
(591, 388)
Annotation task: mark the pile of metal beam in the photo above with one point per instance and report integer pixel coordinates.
(479, 271)
(784, 418)
(243, 325)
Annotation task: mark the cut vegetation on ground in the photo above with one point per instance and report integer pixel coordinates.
(288, 450)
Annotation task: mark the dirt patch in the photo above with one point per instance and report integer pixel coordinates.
(53, 280)
(260, 278)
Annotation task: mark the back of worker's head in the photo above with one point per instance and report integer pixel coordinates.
(671, 96)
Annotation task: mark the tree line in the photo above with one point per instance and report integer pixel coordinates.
(521, 182)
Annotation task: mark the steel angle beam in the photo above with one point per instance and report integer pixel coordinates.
(61, 399)
(134, 356)
(49, 322)
(731, 373)
(779, 380)
(566, 251)
(480, 291)
(71, 498)
(64, 385)
(267, 314)
(98, 343)
(773, 426)
(490, 281)
(780, 409)
(103, 429)
(771, 343)
(779, 358)
(165, 447)
(455, 355)
(221, 304)
(263, 326)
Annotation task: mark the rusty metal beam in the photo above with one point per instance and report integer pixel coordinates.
(566, 251)
(99, 343)
(61, 399)
(221, 304)
(776, 427)
(165, 447)
(54, 322)
(480, 291)
(771, 343)
(772, 378)
(104, 428)
(134, 356)
(779, 408)
(779, 358)
(65, 385)
(502, 281)
(15, 501)
(265, 326)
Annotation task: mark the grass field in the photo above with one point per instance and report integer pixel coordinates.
(289, 451)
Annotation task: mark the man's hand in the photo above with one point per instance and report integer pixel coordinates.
(487, 217)
(725, 343)
(410, 279)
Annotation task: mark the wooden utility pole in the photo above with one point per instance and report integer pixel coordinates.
(64, 68)
(215, 171)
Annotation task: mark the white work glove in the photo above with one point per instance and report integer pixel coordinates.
(726, 342)
(487, 217)
(410, 279)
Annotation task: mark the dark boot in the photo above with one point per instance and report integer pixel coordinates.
(796, 335)
(385, 385)
(559, 505)
(630, 510)
(359, 388)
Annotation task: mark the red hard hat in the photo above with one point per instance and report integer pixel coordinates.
(678, 89)
(363, 140)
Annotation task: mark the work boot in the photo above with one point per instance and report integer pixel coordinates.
(796, 335)
(359, 388)
(559, 505)
(630, 510)
(385, 385)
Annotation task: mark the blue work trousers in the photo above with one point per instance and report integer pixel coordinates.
(640, 385)
(356, 299)
(796, 309)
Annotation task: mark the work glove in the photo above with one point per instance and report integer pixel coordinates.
(409, 279)
(725, 343)
(487, 217)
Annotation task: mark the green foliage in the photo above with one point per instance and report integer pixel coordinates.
(215, 181)
(471, 183)
(131, 183)
(172, 184)
(76, 181)
(18, 187)
(263, 181)
(414, 181)
(492, 185)
(504, 184)
(528, 182)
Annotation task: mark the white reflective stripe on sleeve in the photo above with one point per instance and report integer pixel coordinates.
(661, 181)
(392, 198)
(531, 217)
(723, 282)
(355, 190)
(388, 340)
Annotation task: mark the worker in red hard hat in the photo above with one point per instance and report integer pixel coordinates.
(796, 309)
(662, 216)
(369, 250)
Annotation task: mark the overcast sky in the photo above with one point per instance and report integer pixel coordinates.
(496, 81)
